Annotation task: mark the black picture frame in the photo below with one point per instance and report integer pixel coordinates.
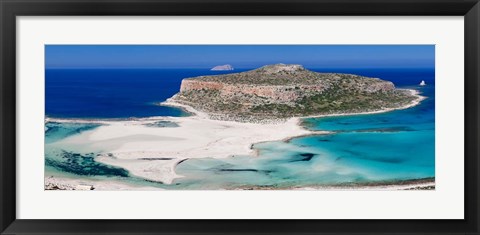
(10, 9)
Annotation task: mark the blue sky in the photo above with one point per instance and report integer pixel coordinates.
(239, 56)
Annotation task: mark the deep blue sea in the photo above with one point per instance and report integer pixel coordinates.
(391, 146)
(113, 93)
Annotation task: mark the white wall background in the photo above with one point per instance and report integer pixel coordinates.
(445, 202)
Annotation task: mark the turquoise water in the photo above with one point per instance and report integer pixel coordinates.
(62, 158)
(55, 131)
(76, 161)
(398, 145)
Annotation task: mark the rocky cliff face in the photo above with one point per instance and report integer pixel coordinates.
(280, 91)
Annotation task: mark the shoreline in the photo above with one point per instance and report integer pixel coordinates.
(417, 101)
(189, 109)
(419, 98)
(197, 136)
(411, 184)
(66, 183)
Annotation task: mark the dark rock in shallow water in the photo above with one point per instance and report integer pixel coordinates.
(303, 157)
(156, 159)
(244, 170)
(386, 159)
(84, 165)
(386, 130)
(162, 124)
(182, 161)
(152, 181)
(252, 170)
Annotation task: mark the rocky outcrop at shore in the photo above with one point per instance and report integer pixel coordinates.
(52, 184)
(282, 91)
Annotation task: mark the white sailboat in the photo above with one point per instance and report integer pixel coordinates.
(422, 83)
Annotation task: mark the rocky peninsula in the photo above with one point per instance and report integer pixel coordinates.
(232, 113)
(282, 91)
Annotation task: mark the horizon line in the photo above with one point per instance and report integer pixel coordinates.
(235, 68)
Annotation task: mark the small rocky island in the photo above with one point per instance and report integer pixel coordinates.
(225, 67)
(284, 91)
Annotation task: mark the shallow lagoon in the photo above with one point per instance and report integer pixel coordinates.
(398, 145)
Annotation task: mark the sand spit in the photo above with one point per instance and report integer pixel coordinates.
(153, 152)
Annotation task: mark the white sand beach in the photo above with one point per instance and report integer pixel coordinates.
(153, 152)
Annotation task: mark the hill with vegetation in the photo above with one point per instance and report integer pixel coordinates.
(283, 91)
